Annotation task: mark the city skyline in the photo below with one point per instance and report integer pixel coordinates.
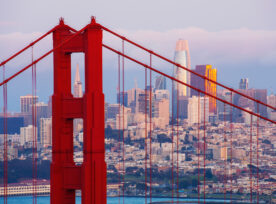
(235, 46)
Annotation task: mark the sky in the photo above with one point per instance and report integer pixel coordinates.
(236, 37)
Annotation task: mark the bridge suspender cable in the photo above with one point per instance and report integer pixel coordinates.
(204, 148)
(257, 149)
(146, 134)
(123, 76)
(5, 163)
(150, 135)
(172, 134)
(119, 128)
(231, 147)
(34, 130)
(198, 147)
(250, 154)
(224, 145)
(177, 142)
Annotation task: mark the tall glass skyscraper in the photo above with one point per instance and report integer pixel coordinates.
(182, 57)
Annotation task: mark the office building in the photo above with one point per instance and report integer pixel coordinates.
(46, 132)
(182, 57)
(205, 85)
(26, 103)
(160, 83)
(243, 84)
(197, 109)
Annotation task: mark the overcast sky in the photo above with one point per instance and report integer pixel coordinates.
(238, 37)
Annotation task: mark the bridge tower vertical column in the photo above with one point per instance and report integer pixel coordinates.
(62, 137)
(94, 166)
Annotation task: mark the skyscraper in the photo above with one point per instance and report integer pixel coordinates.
(26, 103)
(46, 131)
(78, 123)
(77, 84)
(160, 82)
(197, 109)
(182, 57)
(205, 85)
(243, 83)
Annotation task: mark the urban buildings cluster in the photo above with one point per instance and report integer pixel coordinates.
(156, 114)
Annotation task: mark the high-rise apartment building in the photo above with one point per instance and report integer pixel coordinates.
(122, 98)
(46, 131)
(182, 57)
(259, 94)
(205, 85)
(197, 109)
(271, 100)
(26, 103)
(27, 135)
(243, 84)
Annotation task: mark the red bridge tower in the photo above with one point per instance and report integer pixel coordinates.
(66, 176)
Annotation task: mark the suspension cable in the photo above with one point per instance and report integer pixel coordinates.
(257, 132)
(34, 130)
(231, 146)
(198, 148)
(177, 142)
(146, 136)
(204, 136)
(150, 137)
(251, 159)
(225, 152)
(5, 121)
(123, 76)
(43, 56)
(119, 128)
(172, 135)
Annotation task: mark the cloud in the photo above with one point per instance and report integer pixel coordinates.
(231, 47)
(7, 23)
(222, 47)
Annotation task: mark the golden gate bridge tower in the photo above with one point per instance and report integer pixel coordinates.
(90, 176)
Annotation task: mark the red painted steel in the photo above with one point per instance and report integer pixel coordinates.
(198, 149)
(123, 84)
(172, 136)
(119, 114)
(5, 163)
(34, 132)
(204, 149)
(119, 132)
(90, 177)
(177, 143)
(150, 134)
(250, 155)
(146, 137)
